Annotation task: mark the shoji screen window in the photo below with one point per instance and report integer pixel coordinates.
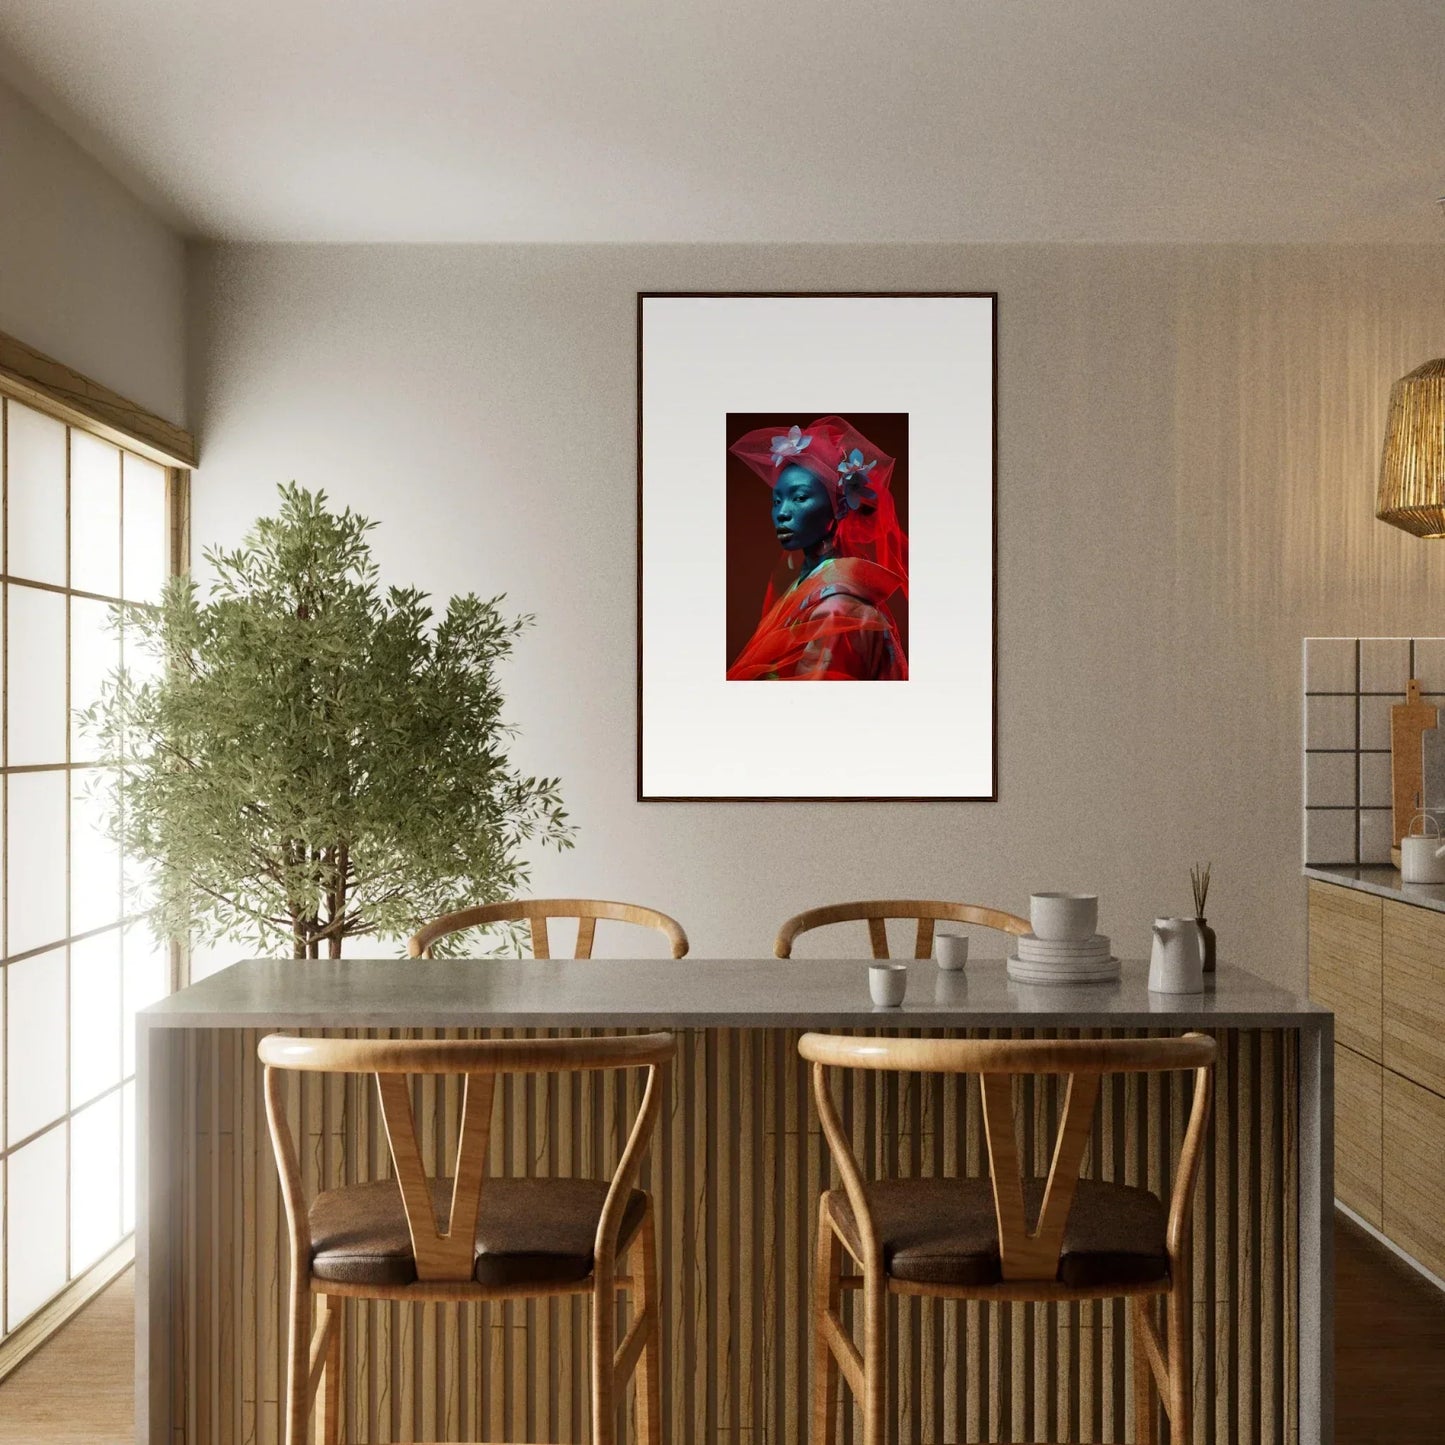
(86, 523)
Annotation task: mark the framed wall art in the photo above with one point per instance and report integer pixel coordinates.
(816, 544)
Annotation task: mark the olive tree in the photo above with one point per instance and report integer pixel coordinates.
(302, 756)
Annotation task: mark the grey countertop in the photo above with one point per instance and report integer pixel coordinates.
(1382, 880)
(697, 993)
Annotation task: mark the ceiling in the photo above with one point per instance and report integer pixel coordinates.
(754, 120)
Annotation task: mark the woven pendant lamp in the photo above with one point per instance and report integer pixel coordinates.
(1412, 470)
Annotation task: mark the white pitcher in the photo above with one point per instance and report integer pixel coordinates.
(1176, 964)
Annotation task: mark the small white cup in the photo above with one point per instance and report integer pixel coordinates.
(888, 982)
(1060, 916)
(951, 950)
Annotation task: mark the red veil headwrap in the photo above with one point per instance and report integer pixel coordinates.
(857, 476)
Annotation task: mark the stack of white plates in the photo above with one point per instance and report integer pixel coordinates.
(1064, 960)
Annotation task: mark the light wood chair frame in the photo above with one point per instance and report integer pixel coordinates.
(1029, 1254)
(537, 911)
(444, 1257)
(877, 911)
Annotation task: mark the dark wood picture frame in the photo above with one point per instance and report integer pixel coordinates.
(992, 297)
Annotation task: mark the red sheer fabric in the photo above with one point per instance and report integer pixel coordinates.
(835, 625)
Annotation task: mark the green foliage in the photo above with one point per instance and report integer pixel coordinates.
(314, 760)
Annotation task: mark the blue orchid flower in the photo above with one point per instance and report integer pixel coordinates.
(857, 495)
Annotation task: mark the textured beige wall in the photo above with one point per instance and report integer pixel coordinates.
(1188, 440)
(87, 274)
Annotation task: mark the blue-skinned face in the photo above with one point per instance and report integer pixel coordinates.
(802, 509)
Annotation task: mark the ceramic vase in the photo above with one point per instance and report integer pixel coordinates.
(1207, 934)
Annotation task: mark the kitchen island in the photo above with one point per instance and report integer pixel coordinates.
(736, 1165)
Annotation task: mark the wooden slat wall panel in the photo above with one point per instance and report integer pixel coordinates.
(737, 1164)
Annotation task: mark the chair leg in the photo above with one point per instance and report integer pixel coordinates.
(649, 1367)
(1178, 1308)
(328, 1430)
(827, 1299)
(298, 1360)
(1145, 1409)
(604, 1353)
(875, 1356)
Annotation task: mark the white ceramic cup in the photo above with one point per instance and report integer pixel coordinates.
(951, 950)
(888, 982)
(1059, 916)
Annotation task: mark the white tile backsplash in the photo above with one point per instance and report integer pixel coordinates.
(1374, 780)
(1384, 664)
(1330, 835)
(1330, 722)
(1350, 686)
(1430, 663)
(1375, 720)
(1376, 835)
(1330, 780)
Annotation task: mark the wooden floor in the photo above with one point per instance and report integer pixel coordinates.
(1389, 1386)
(1389, 1344)
(79, 1388)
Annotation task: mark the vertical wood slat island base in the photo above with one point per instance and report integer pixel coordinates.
(737, 1165)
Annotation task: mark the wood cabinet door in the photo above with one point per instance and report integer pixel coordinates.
(1359, 1128)
(1414, 1195)
(1345, 963)
(1414, 994)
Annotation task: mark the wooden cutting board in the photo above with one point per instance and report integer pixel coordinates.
(1409, 720)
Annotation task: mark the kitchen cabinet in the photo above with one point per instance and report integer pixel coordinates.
(1345, 964)
(1377, 958)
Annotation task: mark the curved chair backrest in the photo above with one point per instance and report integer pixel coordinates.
(446, 1254)
(878, 911)
(1027, 1252)
(537, 911)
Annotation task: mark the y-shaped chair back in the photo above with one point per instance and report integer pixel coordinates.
(1031, 1252)
(342, 1244)
(878, 911)
(536, 912)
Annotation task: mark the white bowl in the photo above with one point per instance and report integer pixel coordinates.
(1064, 915)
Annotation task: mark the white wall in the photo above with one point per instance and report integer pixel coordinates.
(1188, 444)
(87, 274)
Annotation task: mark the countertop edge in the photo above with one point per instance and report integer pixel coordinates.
(1381, 881)
(904, 1022)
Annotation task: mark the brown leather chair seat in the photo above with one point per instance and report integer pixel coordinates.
(944, 1232)
(529, 1231)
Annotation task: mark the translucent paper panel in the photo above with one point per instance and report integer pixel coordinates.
(35, 502)
(94, 515)
(94, 860)
(127, 1158)
(95, 1016)
(35, 858)
(144, 556)
(35, 1026)
(94, 656)
(35, 717)
(147, 978)
(138, 877)
(142, 664)
(209, 958)
(35, 1239)
(95, 1182)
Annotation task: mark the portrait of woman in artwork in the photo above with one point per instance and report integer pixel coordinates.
(833, 514)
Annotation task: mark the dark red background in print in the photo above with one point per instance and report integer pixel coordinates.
(753, 554)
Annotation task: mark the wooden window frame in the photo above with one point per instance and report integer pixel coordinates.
(33, 379)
